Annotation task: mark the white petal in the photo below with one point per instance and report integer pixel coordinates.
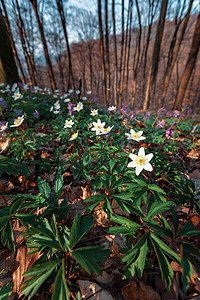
(132, 156)
(149, 156)
(138, 170)
(140, 132)
(148, 167)
(132, 164)
(141, 138)
(141, 152)
(132, 131)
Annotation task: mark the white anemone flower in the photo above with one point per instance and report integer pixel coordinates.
(89, 92)
(51, 109)
(94, 112)
(84, 98)
(18, 121)
(74, 136)
(68, 124)
(66, 100)
(140, 161)
(4, 127)
(56, 112)
(79, 106)
(136, 136)
(77, 92)
(17, 95)
(98, 126)
(111, 108)
(57, 106)
(3, 145)
(106, 130)
(70, 91)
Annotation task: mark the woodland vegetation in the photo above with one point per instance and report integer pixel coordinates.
(99, 150)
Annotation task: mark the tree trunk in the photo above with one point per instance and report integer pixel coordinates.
(115, 51)
(69, 62)
(192, 56)
(135, 72)
(156, 53)
(102, 54)
(46, 53)
(107, 53)
(13, 44)
(168, 74)
(8, 69)
(122, 45)
(124, 60)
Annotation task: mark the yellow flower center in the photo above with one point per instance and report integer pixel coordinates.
(98, 127)
(140, 160)
(3, 145)
(135, 135)
(17, 122)
(3, 127)
(73, 135)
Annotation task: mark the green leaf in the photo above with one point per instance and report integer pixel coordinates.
(58, 182)
(188, 230)
(166, 270)
(136, 258)
(40, 273)
(88, 257)
(7, 236)
(79, 228)
(96, 198)
(175, 220)
(155, 208)
(3, 221)
(187, 270)
(6, 291)
(60, 290)
(155, 188)
(107, 207)
(44, 188)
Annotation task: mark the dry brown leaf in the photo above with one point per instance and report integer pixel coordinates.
(139, 291)
(22, 262)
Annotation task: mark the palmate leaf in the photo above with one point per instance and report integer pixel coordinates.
(88, 257)
(44, 188)
(166, 270)
(39, 274)
(8, 236)
(79, 228)
(60, 290)
(136, 258)
(58, 183)
(6, 291)
(128, 227)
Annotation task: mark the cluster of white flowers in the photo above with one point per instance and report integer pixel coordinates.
(79, 106)
(140, 161)
(99, 127)
(68, 124)
(56, 107)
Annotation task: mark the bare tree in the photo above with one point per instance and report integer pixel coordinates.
(156, 52)
(23, 78)
(192, 56)
(46, 52)
(115, 53)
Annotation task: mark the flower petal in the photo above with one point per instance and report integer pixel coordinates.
(132, 156)
(148, 167)
(141, 152)
(132, 164)
(149, 157)
(138, 170)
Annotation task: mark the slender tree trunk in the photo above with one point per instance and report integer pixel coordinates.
(168, 74)
(103, 70)
(107, 53)
(13, 44)
(115, 53)
(192, 56)
(47, 57)
(129, 50)
(135, 68)
(8, 69)
(124, 58)
(156, 53)
(69, 62)
(122, 45)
